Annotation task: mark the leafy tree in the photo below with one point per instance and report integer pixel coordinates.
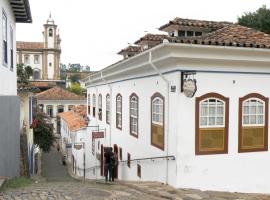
(259, 20)
(74, 78)
(74, 68)
(24, 73)
(87, 68)
(76, 88)
(43, 132)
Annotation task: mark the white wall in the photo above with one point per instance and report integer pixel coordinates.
(8, 80)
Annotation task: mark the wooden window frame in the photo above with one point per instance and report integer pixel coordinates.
(108, 110)
(151, 122)
(121, 106)
(100, 107)
(197, 123)
(240, 115)
(94, 102)
(130, 129)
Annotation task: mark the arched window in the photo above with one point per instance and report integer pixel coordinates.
(50, 32)
(253, 123)
(94, 105)
(100, 107)
(108, 107)
(36, 74)
(157, 120)
(212, 113)
(26, 59)
(89, 104)
(134, 114)
(119, 111)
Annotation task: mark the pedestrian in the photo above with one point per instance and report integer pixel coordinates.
(108, 167)
(113, 166)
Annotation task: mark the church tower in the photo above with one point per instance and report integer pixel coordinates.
(52, 51)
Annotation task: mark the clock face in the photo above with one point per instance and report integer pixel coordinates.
(189, 87)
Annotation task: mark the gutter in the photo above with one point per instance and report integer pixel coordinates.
(110, 117)
(167, 100)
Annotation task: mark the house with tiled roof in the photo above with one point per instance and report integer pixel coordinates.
(194, 107)
(57, 100)
(74, 137)
(43, 57)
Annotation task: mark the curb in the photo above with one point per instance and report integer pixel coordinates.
(2, 182)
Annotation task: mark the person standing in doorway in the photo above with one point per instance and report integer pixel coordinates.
(108, 164)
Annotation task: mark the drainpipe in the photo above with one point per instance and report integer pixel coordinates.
(168, 111)
(110, 117)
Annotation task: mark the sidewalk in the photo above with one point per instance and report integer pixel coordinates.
(168, 192)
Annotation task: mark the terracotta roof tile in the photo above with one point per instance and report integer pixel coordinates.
(230, 35)
(75, 118)
(152, 37)
(130, 49)
(43, 84)
(195, 23)
(57, 93)
(29, 45)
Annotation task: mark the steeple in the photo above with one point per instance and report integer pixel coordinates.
(50, 20)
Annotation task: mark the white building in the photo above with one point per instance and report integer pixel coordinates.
(12, 12)
(43, 57)
(57, 100)
(191, 112)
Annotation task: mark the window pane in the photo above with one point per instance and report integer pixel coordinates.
(246, 120)
(252, 119)
(219, 121)
(212, 120)
(203, 121)
(246, 110)
(260, 109)
(220, 110)
(212, 111)
(204, 111)
(260, 119)
(253, 109)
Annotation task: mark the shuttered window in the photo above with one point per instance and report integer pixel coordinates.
(108, 108)
(211, 124)
(100, 107)
(89, 104)
(253, 123)
(157, 121)
(94, 105)
(4, 38)
(133, 114)
(119, 111)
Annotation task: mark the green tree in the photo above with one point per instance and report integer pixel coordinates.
(259, 20)
(43, 132)
(74, 78)
(24, 73)
(76, 88)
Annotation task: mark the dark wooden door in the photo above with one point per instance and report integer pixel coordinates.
(115, 150)
(102, 161)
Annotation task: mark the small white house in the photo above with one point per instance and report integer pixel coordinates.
(12, 12)
(57, 100)
(191, 111)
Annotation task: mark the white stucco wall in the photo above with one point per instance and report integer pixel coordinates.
(8, 79)
(235, 73)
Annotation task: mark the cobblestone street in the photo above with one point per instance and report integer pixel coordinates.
(56, 184)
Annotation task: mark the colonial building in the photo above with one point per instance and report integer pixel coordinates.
(74, 138)
(191, 111)
(57, 100)
(43, 57)
(12, 12)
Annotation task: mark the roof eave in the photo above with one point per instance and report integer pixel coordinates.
(21, 10)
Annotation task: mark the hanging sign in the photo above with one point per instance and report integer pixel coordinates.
(97, 134)
(77, 146)
(189, 87)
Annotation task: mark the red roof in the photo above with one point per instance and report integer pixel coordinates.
(29, 45)
(57, 93)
